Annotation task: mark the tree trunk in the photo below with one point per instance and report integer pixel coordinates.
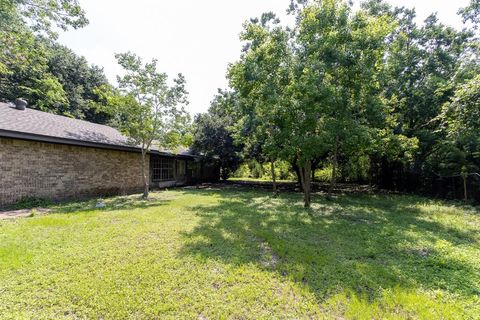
(465, 191)
(274, 179)
(308, 185)
(146, 186)
(297, 173)
(334, 168)
(305, 176)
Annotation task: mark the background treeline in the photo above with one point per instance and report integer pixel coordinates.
(52, 78)
(35, 67)
(369, 94)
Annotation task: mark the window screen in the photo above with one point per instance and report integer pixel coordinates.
(162, 169)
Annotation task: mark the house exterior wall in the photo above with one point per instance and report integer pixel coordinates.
(54, 171)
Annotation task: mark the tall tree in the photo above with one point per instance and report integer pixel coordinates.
(314, 90)
(424, 65)
(261, 78)
(80, 81)
(213, 135)
(146, 106)
(460, 121)
(32, 66)
(337, 83)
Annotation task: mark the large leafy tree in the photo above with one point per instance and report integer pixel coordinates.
(313, 91)
(337, 106)
(146, 107)
(261, 78)
(213, 134)
(50, 76)
(458, 153)
(424, 66)
(460, 121)
(80, 81)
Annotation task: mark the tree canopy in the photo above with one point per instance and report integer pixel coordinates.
(366, 91)
(33, 66)
(145, 107)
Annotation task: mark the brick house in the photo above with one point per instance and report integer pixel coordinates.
(43, 155)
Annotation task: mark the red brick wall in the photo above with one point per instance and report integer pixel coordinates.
(53, 171)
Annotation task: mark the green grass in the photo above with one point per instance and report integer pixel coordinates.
(210, 254)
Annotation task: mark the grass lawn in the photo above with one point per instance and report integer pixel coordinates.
(232, 253)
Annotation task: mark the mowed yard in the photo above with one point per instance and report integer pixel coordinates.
(241, 254)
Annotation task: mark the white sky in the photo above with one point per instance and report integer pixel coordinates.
(196, 38)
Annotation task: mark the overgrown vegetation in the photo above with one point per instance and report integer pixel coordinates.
(367, 93)
(256, 170)
(33, 66)
(28, 203)
(238, 253)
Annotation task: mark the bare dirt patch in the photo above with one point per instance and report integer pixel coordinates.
(23, 213)
(269, 258)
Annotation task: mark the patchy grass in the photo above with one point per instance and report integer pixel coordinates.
(233, 253)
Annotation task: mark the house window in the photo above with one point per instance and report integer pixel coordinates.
(162, 169)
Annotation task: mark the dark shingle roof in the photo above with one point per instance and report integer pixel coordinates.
(51, 125)
(43, 126)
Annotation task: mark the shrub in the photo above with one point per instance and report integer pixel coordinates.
(32, 202)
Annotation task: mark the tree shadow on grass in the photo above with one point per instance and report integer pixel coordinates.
(361, 243)
(114, 203)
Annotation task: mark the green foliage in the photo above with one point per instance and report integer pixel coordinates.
(460, 123)
(29, 203)
(243, 171)
(461, 116)
(147, 108)
(471, 13)
(213, 137)
(314, 92)
(260, 78)
(283, 170)
(47, 92)
(79, 80)
(255, 170)
(49, 76)
(181, 134)
(42, 16)
(324, 174)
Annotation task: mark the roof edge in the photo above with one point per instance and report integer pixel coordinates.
(56, 140)
(79, 143)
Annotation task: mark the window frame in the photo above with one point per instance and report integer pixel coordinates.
(163, 169)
